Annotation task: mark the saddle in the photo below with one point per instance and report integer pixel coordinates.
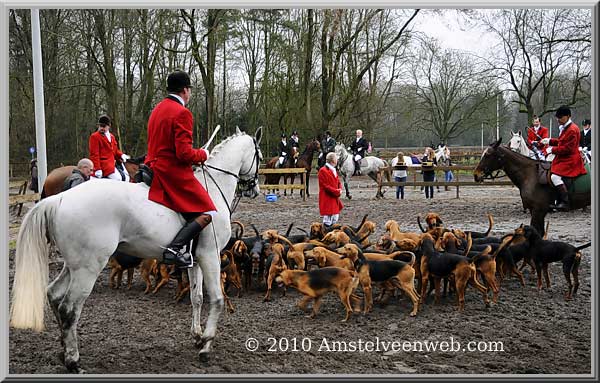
(579, 184)
(543, 172)
(144, 174)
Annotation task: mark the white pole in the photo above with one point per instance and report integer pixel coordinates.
(550, 132)
(482, 135)
(497, 121)
(38, 87)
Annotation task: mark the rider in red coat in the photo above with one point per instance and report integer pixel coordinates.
(537, 132)
(330, 190)
(104, 151)
(567, 159)
(171, 155)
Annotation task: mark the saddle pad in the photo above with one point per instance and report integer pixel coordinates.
(583, 183)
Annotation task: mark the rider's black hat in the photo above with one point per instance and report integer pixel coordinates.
(328, 133)
(178, 80)
(295, 133)
(283, 135)
(563, 111)
(104, 120)
(587, 121)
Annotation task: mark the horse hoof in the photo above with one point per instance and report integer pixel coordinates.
(203, 356)
(198, 342)
(73, 367)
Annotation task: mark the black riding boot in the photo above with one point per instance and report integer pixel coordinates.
(564, 198)
(173, 253)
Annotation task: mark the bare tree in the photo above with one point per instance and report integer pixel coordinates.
(541, 51)
(450, 87)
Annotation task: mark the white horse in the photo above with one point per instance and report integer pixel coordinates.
(88, 223)
(517, 144)
(369, 165)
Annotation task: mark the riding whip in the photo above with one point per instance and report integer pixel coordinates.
(537, 135)
(212, 137)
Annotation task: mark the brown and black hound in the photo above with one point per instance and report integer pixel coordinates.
(118, 263)
(316, 283)
(544, 252)
(438, 265)
(275, 265)
(396, 273)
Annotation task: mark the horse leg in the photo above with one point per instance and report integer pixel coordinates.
(292, 179)
(195, 278)
(537, 220)
(210, 268)
(346, 187)
(56, 292)
(80, 287)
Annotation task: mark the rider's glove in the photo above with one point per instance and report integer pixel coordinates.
(98, 174)
(206, 151)
(125, 157)
(548, 150)
(586, 148)
(545, 141)
(283, 153)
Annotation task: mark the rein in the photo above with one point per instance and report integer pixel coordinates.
(246, 184)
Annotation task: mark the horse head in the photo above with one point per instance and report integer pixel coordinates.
(491, 160)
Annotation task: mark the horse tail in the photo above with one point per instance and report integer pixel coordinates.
(31, 266)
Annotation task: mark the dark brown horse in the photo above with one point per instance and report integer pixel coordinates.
(305, 161)
(273, 179)
(56, 178)
(523, 172)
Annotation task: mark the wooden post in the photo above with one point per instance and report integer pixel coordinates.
(303, 179)
(457, 187)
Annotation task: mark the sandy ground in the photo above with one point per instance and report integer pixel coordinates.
(127, 332)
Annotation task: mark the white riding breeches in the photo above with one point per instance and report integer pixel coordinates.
(116, 175)
(330, 219)
(281, 160)
(357, 157)
(556, 179)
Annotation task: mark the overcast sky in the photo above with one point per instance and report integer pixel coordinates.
(452, 32)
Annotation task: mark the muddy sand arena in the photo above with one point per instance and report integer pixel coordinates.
(526, 332)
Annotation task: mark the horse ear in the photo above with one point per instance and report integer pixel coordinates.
(520, 133)
(497, 143)
(513, 133)
(258, 135)
(237, 130)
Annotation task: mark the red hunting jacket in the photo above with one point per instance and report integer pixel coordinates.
(567, 159)
(329, 192)
(171, 155)
(542, 132)
(104, 153)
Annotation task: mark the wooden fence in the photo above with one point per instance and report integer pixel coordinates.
(21, 196)
(283, 171)
(456, 182)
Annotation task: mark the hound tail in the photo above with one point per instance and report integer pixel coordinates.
(31, 266)
(584, 246)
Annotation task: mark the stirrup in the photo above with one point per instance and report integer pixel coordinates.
(177, 258)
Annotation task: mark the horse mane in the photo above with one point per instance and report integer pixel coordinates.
(220, 145)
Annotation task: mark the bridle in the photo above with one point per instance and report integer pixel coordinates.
(487, 173)
(243, 184)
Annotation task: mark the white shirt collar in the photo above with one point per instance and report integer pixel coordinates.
(107, 134)
(561, 127)
(585, 130)
(177, 97)
(332, 168)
